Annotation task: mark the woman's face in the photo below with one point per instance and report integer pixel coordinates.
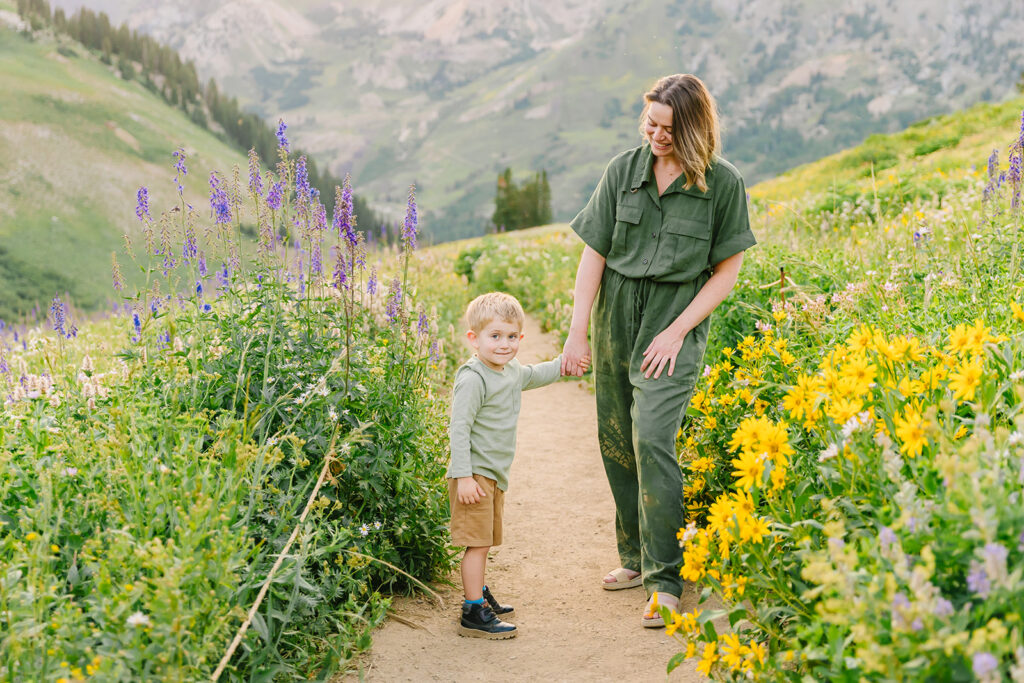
(658, 128)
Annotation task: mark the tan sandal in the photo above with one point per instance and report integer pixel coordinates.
(622, 580)
(652, 613)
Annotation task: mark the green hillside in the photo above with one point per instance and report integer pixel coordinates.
(76, 144)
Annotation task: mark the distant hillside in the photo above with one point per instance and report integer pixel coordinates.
(449, 92)
(76, 142)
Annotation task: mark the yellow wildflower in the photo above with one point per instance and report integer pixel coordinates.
(708, 659)
(965, 381)
(749, 469)
(732, 651)
(910, 428)
(1018, 312)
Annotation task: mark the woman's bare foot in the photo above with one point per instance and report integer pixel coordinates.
(652, 614)
(618, 579)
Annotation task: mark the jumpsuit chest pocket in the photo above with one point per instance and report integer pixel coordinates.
(687, 243)
(627, 218)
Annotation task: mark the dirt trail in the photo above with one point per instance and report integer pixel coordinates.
(559, 542)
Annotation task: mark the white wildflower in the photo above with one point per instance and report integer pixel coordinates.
(70, 471)
(829, 453)
(364, 530)
(138, 619)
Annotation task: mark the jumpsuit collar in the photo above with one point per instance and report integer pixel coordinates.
(645, 172)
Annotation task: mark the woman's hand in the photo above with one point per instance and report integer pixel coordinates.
(663, 350)
(575, 355)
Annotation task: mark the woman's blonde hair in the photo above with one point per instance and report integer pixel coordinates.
(695, 133)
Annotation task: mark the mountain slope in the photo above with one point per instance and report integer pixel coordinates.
(449, 92)
(76, 143)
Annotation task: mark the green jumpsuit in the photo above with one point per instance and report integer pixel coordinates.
(659, 251)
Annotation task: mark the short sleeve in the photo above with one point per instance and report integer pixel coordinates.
(731, 233)
(596, 222)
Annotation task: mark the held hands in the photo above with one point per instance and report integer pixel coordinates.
(469, 492)
(575, 355)
(663, 350)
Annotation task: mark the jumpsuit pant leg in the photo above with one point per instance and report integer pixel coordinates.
(639, 418)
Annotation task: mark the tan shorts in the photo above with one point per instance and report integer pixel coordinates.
(479, 524)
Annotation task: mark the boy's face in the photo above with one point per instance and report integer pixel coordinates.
(497, 343)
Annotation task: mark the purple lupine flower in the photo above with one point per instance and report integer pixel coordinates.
(1016, 158)
(142, 204)
(282, 141)
(220, 205)
(255, 179)
(344, 219)
(57, 316)
(435, 351)
(164, 340)
(315, 262)
(394, 305)
(137, 326)
(984, 663)
(202, 264)
(409, 228)
(182, 170)
(302, 284)
(302, 189)
(340, 270)
(275, 196)
(422, 325)
(199, 288)
(943, 607)
(371, 284)
(978, 580)
(224, 276)
(189, 249)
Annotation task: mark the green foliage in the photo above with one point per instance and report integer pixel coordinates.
(149, 485)
(936, 143)
(521, 206)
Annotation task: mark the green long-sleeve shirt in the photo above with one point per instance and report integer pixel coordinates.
(485, 410)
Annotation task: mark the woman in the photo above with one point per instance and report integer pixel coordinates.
(665, 232)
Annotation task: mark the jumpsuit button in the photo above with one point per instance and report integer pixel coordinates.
(645, 262)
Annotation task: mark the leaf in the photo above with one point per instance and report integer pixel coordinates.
(736, 614)
(260, 627)
(677, 659)
(710, 634)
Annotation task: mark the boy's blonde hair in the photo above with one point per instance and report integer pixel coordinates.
(494, 306)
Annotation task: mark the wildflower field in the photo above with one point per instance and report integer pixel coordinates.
(229, 476)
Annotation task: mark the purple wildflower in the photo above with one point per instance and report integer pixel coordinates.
(220, 205)
(199, 288)
(282, 141)
(943, 607)
(435, 351)
(207, 308)
(409, 228)
(383, 233)
(275, 195)
(315, 259)
(224, 277)
(189, 249)
(164, 340)
(142, 204)
(371, 286)
(984, 663)
(182, 170)
(255, 179)
(202, 264)
(422, 325)
(57, 317)
(137, 326)
(394, 305)
(977, 579)
(340, 270)
(302, 189)
(344, 218)
(302, 284)
(886, 537)
(1016, 158)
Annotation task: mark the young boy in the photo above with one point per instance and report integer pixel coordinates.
(485, 408)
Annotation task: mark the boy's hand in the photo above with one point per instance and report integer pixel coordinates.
(469, 492)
